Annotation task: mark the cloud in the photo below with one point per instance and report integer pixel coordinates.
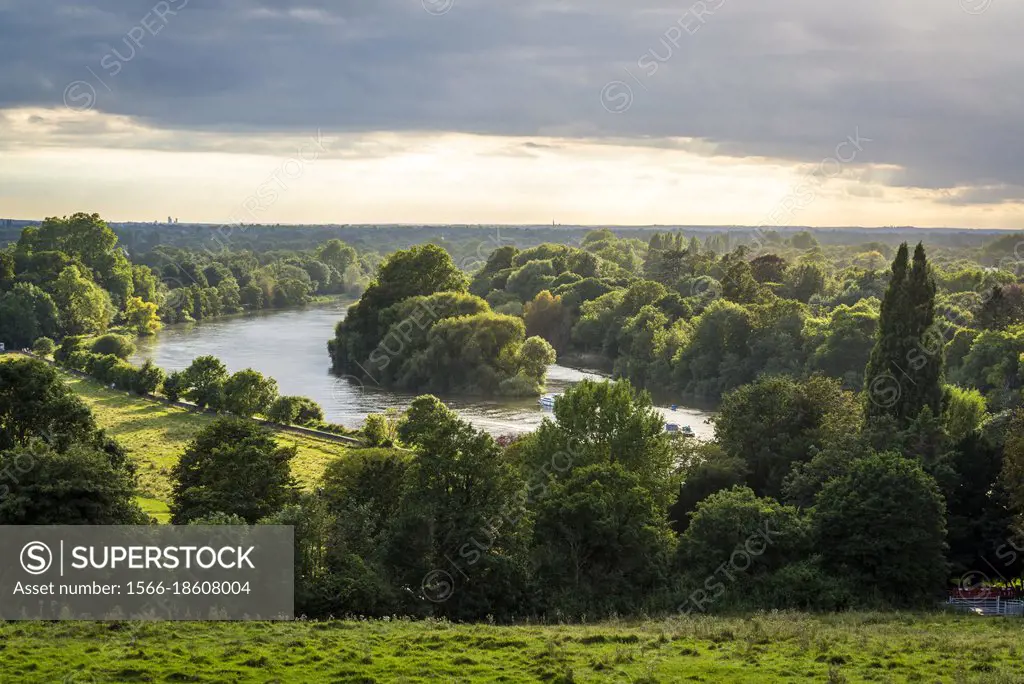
(932, 85)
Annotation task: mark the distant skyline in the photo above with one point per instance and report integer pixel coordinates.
(588, 112)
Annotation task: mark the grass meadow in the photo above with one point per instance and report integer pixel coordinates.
(771, 647)
(156, 434)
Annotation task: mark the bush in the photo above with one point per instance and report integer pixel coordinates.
(175, 385)
(118, 345)
(378, 431)
(68, 346)
(147, 378)
(44, 346)
(296, 411)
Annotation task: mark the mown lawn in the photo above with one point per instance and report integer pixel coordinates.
(156, 434)
(784, 647)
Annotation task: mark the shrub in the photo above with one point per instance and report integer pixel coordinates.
(44, 346)
(175, 385)
(118, 345)
(147, 378)
(378, 431)
(68, 346)
(295, 411)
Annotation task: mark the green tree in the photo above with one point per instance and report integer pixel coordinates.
(904, 372)
(205, 379)
(547, 317)
(737, 521)
(295, 411)
(89, 240)
(774, 422)
(378, 431)
(81, 485)
(603, 423)
(425, 415)
(1012, 472)
(147, 378)
(963, 412)
(461, 500)
(235, 467)
(26, 313)
(363, 494)
(84, 306)
(883, 525)
(840, 344)
(247, 393)
(706, 469)
(337, 255)
(419, 271)
(36, 402)
(601, 542)
(175, 385)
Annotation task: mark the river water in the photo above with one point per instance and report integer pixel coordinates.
(291, 347)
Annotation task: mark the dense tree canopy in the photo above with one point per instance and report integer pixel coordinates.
(234, 467)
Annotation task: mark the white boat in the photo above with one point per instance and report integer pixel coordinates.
(547, 402)
(674, 428)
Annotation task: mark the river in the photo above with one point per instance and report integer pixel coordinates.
(291, 347)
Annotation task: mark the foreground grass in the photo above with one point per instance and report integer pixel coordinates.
(785, 647)
(156, 434)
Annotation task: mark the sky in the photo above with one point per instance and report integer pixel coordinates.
(714, 112)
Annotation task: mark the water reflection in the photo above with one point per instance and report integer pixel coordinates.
(291, 347)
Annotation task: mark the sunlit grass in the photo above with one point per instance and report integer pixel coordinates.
(156, 434)
(787, 647)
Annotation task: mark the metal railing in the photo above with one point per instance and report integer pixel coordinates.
(988, 606)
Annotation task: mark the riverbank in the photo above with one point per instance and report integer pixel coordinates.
(776, 647)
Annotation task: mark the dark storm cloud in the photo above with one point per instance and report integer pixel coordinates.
(932, 83)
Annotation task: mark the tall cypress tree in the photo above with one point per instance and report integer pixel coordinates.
(904, 372)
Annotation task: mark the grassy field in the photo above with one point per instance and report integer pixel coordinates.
(156, 434)
(784, 647)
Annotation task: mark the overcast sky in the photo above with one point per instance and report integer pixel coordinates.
(529, 111)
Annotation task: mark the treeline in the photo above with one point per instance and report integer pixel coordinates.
(71, 277)
(206, 382)
(690, 318)
(204, 285)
